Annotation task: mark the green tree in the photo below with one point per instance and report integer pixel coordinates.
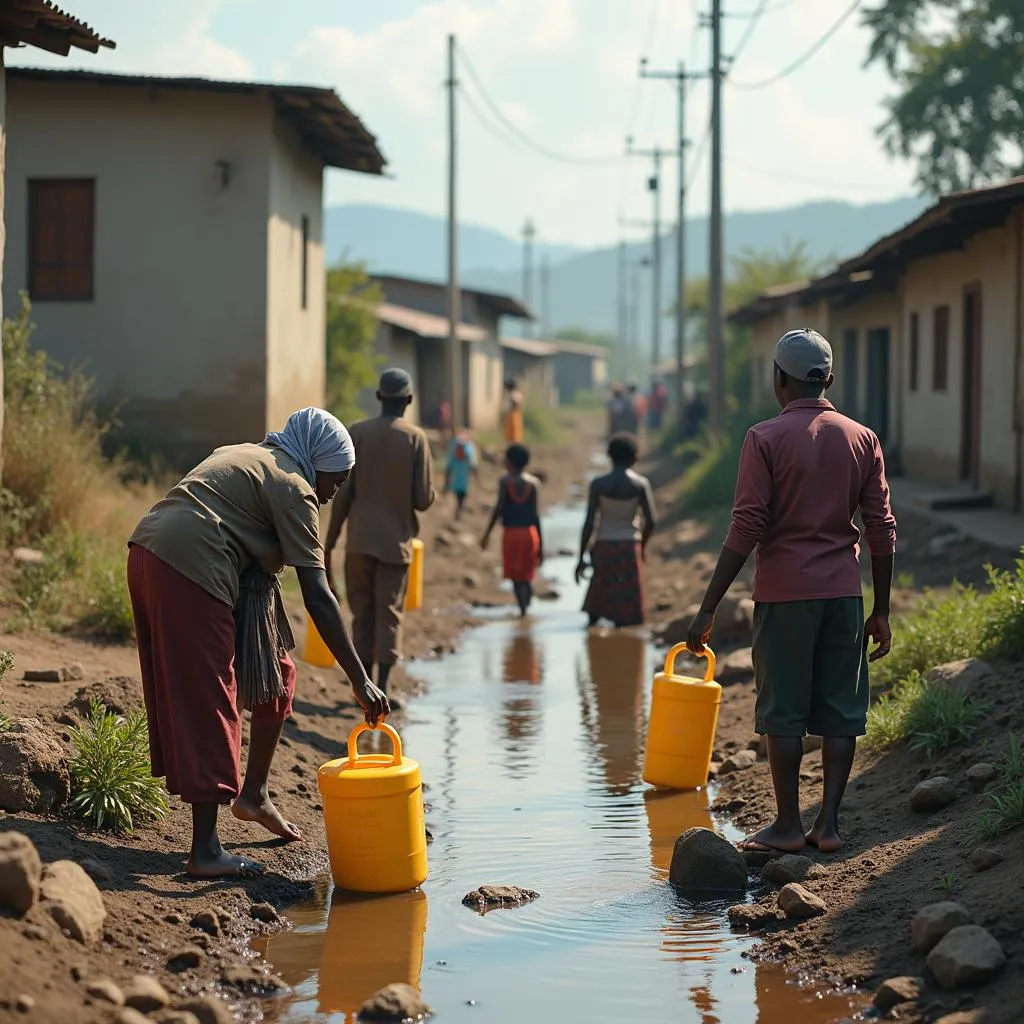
(352, 363)
(958, 66)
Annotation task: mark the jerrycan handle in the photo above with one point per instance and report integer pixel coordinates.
(670, 661)
(353, 742)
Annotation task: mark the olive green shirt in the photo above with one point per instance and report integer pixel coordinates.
(246, 503)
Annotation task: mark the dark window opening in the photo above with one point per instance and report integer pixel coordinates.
(940, 356)
(61, 239)
(305, 262)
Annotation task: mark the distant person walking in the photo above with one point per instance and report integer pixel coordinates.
(391, 483)
(802, 478)
(513, 412)
(522, 543)
(656, 406)
(620, 521)
(212, 632)
(461, 464)
(619, 416)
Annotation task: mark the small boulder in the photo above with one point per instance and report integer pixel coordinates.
(127, 1015)
(751, 916)
(103, 990)
(931, 923)
(251, 980)
(145, 994)
(965, 675)
(493, 897)
(71, 898)
(980, 775)
(33, 769)
(28, 556)
(206, 921)
(735, 667)
(933, 794)
(792, 868)
(395, 1003)
(985, 857)
(206, 1010)
(702, 861)
(184, 959)
(21, 871)
(738, 762)
(264, 912)
(898, 990)
(471, 580)
(63, 674)
(967, 955)
(799, 903)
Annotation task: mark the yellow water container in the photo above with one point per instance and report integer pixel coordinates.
(414, 585)
(373, 814)
(314, 650)
(681, 730)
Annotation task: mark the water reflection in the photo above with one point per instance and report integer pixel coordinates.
(364, 944)
(522, 717)
(612, 704)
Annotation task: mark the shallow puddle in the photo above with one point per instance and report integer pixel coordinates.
(531, 744)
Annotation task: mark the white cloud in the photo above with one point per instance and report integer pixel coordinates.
(197, 53)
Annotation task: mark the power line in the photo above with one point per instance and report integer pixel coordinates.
(876, 190)
(773, 9)
(485, 121)
(749, 31)
(698, 157)
(515, 130)
(804, 58)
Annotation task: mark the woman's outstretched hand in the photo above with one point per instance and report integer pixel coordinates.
(372, 700)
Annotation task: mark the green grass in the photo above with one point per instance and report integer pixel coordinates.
(1005, 810)
(942, 717)
(6, 664)
(111, 782)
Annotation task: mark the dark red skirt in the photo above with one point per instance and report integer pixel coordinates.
(520, 549)
(616, 591)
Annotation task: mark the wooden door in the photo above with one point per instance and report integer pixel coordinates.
(970, 444)
(877, 411)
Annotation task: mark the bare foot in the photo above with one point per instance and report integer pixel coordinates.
(825, 837)
(223, 865)
(266, 814)
(773, 838)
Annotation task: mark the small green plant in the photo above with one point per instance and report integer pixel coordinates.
(947, 883)
(942, 717)
(887, 717)
(6, 664)
(112, 784)
(1004, 813)
(1002, 638)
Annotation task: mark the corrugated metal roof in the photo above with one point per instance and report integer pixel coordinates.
(43, 24)
(581, 348)
(426, 325)
(324, 124)
(504, 305)
(530, 347)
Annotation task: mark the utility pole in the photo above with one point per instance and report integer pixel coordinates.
(716, 296)
(680, 76)
(452, 353)
(545, 297)
(623, 301)
(529, 233)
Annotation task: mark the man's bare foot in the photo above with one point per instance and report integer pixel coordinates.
(223, 865)
(266, 814)
(773, 838)
(825, 837)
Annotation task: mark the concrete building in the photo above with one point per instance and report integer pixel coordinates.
(36, 23)
(169, 234)
(924, 323)
(531, 363)
(412, 334)
(580, 369)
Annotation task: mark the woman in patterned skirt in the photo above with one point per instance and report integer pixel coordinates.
(619, 523)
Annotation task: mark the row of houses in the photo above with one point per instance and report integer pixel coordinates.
(927, 330)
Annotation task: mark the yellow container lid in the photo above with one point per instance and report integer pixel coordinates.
(664, 680)
(366, 776)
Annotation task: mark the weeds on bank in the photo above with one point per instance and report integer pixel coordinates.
(6, 664)
(1005, 810)
(111, 781)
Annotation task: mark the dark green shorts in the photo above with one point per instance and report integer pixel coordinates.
(811, 668)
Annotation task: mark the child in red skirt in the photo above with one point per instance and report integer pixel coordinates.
(522, 544)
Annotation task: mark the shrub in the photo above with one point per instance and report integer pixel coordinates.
(1002, 637)
(1004, 813)
(111, 781)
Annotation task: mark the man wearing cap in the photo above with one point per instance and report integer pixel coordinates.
(392, 481)
(802, 478)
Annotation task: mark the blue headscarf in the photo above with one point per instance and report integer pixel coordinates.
(317, 441)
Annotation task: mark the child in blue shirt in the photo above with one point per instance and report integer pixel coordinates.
(460, 465)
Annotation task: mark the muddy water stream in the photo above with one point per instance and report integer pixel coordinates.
(531, 744)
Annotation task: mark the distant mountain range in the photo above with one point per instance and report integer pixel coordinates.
(583, 282)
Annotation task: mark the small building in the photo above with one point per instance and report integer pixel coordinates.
(580, 369)
(923, 323)
(531, 363)
(413, 332)
(168, 232)
(36, 23)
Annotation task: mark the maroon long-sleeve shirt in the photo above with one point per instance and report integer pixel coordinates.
(802, 477)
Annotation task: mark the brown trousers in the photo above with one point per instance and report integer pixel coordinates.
(375, 592)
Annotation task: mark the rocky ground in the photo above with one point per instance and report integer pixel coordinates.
(78, 940)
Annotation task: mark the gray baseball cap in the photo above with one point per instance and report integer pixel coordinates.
(804, 355)
(394, 383)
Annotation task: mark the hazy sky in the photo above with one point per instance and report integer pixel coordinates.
(564, 71)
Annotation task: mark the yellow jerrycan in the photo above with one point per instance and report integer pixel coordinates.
(314, 650)
(414, 584)
(373, 815)
(681, 729)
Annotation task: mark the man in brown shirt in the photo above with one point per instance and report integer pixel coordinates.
(391, 482)
(802, 478)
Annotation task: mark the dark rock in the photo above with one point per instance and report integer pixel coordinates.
(932, 923)
(251, 980)
(21, 872)
(145, 994)
(933, 794)
(702, 861)
(752, 916)
(184, 959)
(984, 858)
(395, 1003)
(799, 903)
(33, 769)
(264, 912)
(898, 990)
(738, 762)
(980, 775)
(206, 921)
(792, 868)
(97, 870)
(494, 897)
(967, 955)
(71, 898)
